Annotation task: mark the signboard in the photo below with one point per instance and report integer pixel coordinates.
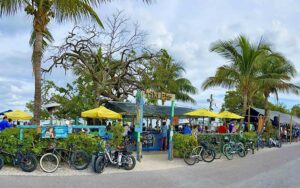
(139, 112)
(159, 95)
(55, 132)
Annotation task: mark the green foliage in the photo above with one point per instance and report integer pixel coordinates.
(233, 101)
(44, 113)
(117, 131)
(32, 141)
(183, 143)
(165, 75)
(296, 110)
(279, 107)
(82, 141)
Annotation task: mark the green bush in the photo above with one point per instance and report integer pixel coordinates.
(32, 141)
(183, 143)
(117, 132)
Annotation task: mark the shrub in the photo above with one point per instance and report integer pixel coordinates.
(117, 132)
(183, 143)
(32, 141)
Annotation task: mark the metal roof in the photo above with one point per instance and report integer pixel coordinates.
(129, 109)
(284, 118)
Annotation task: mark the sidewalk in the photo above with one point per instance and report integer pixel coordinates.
(151, 161)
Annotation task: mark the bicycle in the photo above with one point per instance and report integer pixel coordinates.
(27, 161)
(78, 159)
(121, 157)
(216, 145)
(249, 145)
(232, 147)
(199, 153)
(260, 142)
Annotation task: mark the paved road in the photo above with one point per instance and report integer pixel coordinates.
(270, 168)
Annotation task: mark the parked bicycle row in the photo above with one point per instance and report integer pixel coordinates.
(208, 151)
(77, 159)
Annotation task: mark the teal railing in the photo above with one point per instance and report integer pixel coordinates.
(101, 128)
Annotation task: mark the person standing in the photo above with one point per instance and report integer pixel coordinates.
(164, 136)
(5, 123)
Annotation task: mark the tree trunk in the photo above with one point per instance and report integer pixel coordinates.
(266, 108)
(36, 63)
(245, 101)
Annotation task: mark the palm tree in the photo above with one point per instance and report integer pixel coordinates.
(167, 77)
(43, 12)
(242, 72)
(276, 73)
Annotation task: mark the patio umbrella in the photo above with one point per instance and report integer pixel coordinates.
(229, 115)
(2, 113)
(201, 113)
(101, 113)
(18, 115)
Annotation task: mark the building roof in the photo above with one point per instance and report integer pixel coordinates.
(284, 118)
(129, 109)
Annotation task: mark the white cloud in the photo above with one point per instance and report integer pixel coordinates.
(185, 28)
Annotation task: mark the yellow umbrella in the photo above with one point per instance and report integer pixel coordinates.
(18, 115)
(229, 115)
(201, 113)
(101, 113)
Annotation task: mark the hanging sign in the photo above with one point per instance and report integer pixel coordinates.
(159, 95)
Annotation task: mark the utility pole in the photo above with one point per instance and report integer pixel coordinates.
(210, 100)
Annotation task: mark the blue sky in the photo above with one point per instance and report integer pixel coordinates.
(185, 28)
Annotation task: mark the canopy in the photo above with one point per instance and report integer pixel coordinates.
(201, 113)
(229, 115)
(18, 115)
(101, 113)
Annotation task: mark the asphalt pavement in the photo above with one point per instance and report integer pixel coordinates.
(274, 168)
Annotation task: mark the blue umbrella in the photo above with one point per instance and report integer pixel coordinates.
(2, 113)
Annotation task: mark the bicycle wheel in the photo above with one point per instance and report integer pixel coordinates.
(80, 160)
(129, 162)
(228, 152)
(224, 147)
(191, 157)
(218, 152)
(208, 155)
(28, 163)
(99, 164)
(49, 162)
(1, 162)
(241, 151)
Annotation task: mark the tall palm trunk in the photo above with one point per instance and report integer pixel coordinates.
(245, 106)
(36, 63)
(266, 108)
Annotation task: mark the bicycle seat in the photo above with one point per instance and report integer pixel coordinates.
(70, 145)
